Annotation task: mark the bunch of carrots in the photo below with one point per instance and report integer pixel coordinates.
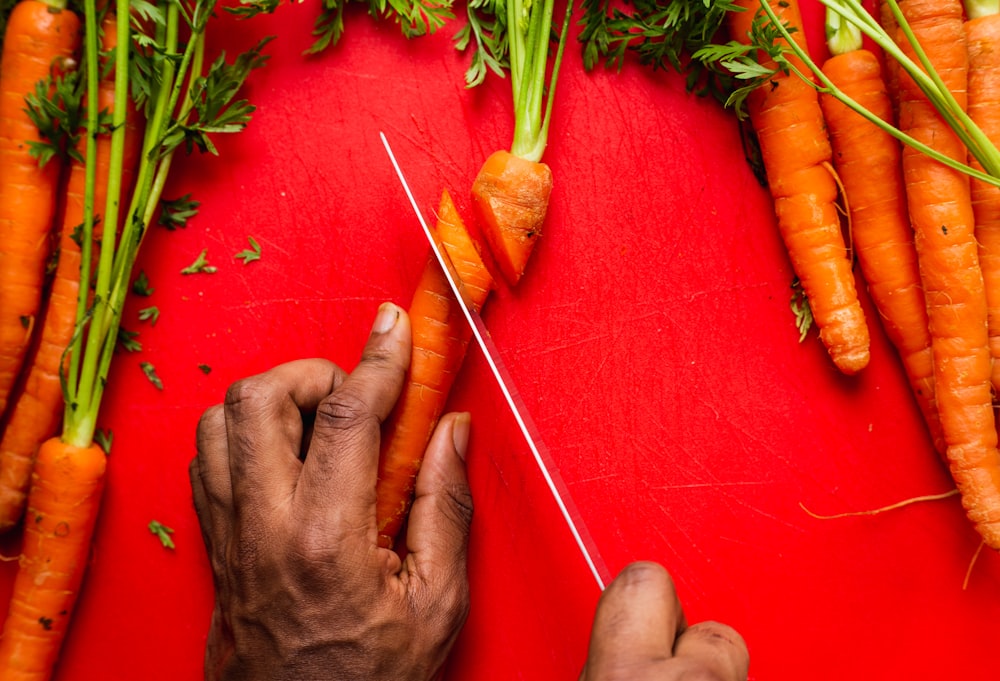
(907, 154)
(92, 110)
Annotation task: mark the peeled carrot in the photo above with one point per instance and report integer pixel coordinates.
(35, 415)
(867, 160)
(62, 510)
(983, 36)
(441, 336)
(786, 115)
(941, 213)
(40, 37)
(511, 198)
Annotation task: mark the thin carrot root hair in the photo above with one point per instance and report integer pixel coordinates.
(883, 509)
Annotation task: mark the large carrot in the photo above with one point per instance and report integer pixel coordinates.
(786, 116)
(41, 36)
(983, 35)
(940, 209)
(34, 416)
(62, 509)
(440, 339)
(867, 159)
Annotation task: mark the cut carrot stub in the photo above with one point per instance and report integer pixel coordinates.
(511, 198)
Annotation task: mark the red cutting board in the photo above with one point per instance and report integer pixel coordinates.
(651, 339)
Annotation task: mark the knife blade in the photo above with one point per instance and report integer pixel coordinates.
(529, 431)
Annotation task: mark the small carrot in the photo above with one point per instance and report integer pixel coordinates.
(786, 115)
(34, 415)
(62, 511)
(941, 213)
(441, 336)
(982, 33)
(41, 36)
(867, 160)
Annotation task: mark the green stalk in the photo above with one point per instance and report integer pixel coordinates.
(842, 36)
(92, 68)
(529, 63)
(81, 418)
(829, 88)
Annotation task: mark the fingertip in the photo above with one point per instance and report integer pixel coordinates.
(717, 647)
(460, 426)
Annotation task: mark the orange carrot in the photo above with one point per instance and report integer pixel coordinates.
(786, 115)
(62, 510)
(511, 198)
(35, 415)
(440, 338)
(983, 36)
(40, 37)
(941, 213)
(868, 164)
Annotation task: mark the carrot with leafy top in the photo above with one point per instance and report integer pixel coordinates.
(867, 159)
(440, 339)
(982, 33)
(786, 116)
(36, 411)
(510, 194)
(41, 39)
(941, 213)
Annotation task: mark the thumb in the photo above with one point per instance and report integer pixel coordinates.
(437, 535)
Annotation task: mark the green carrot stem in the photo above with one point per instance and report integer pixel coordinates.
(70, 383)
(841, 35)
(975, 9)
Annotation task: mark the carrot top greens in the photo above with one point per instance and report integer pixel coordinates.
(184, 103)
(514, 36)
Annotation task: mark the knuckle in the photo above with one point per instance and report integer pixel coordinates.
(458, 506)
(345, 410)
(250, 392)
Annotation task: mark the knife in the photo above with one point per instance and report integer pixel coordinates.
(560, 493)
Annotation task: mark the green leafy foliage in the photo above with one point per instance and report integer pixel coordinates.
(200, 265)
(55, 107)
(175, 213)
(127, 340)
(663, 34)
(149, 314)
(150, 371)
(800, 308)
(248, 255)
(163, 533)
(487, 26)
(141, 287)
(213, 109)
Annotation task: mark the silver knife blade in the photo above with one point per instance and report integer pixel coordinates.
(515, 402)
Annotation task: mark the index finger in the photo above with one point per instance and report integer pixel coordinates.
(342, 461)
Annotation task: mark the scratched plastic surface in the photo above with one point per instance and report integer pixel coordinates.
(651, 338)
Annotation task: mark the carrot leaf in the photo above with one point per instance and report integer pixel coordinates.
(141, 287)
(205, 369)
(200, 265)
(104, 439)
(149, 314)
(248, 255)
(127, 340)
(174, 214)
(800, 308)
(150, 371)
(162, 532)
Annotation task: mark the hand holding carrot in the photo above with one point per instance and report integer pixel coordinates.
(288, 517)
(640, 634)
